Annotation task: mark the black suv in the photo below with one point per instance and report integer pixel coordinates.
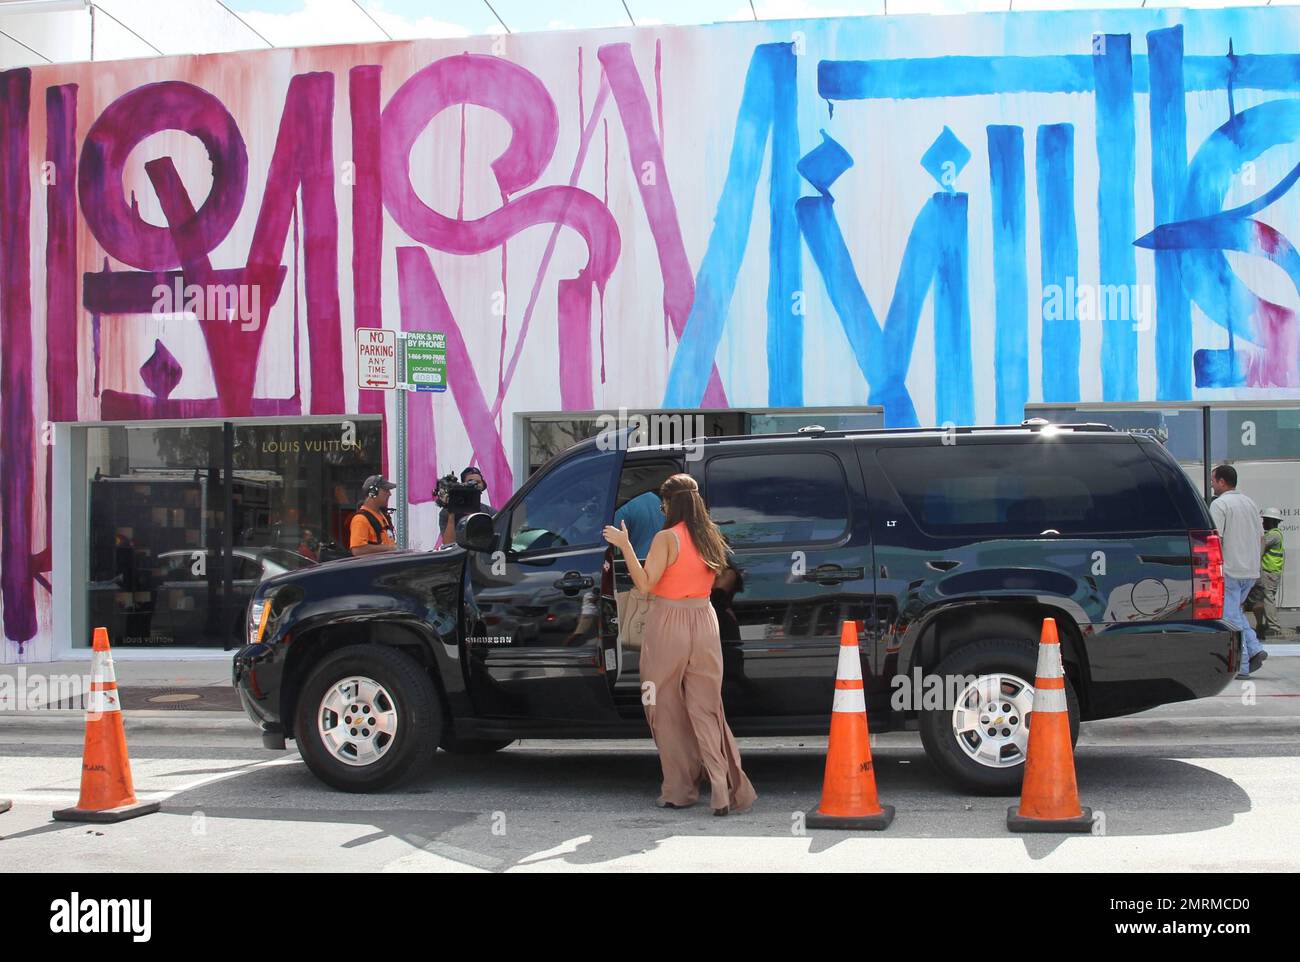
(948, 547)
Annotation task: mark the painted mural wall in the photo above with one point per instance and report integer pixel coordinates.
(949, 216)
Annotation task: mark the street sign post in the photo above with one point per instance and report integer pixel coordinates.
(421, 357)
(403, 498)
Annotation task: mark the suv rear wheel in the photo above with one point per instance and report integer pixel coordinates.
(367, 718)
(979, 739)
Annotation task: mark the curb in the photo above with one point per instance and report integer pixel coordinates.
(60, 720)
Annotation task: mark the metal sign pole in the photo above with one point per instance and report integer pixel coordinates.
(403, 498)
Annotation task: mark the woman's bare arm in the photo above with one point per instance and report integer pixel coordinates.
(662, 550)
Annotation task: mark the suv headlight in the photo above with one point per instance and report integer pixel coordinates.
(258, 614)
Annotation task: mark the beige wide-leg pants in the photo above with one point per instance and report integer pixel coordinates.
(681, 658)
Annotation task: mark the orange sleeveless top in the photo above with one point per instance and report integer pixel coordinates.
(688, 576)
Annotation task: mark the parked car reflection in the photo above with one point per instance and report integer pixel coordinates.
(188, 606)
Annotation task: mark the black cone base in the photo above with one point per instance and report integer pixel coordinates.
(106, 816)
(1019, 823)
(853, 823)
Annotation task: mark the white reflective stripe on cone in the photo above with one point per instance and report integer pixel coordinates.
(850, 666)
(849, 700)
(98, 702)
(1049, 662)
(1049, 699)
(106, 671)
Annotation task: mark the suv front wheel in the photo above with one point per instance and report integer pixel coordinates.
(367, 718)
(979, 737)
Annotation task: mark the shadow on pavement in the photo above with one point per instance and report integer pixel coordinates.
(529, 806)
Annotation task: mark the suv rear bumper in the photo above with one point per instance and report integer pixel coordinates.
(1133, 667)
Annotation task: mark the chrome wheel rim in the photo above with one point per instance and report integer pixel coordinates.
(991, 720)
(357, 721)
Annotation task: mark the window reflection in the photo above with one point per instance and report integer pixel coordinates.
(166, 568)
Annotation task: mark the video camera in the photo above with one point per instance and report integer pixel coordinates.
(458, 497)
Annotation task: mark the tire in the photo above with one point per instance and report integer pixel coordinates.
(473, 746)
(968, 759)
(404, 700)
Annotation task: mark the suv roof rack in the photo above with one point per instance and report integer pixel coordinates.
(1031, 426)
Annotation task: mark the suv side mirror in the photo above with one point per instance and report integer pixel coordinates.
(475, 532)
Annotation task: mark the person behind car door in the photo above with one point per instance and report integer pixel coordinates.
(681, 655)
(371, 530)
(644, 520)
(447, 519)
(1237, 519)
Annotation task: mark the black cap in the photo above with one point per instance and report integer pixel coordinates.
(376, 481)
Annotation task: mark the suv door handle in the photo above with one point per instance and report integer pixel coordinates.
(834, 574)
(574, 581)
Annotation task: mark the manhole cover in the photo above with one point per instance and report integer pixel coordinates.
(200, 698)
(179, 696)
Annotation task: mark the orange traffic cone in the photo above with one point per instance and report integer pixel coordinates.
(107, 793)
(849, 789)
(1049, 797)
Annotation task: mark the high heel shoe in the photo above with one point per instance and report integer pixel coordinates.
(722, 811)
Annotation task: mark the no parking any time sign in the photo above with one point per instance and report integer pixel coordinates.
(376, 358)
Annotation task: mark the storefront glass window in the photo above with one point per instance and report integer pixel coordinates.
(549, 436)
(1263, 444)
(166, 570)
(785, 422)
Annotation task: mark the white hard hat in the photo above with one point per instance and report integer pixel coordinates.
(1273, 513)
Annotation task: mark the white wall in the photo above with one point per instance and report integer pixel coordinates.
(194, 26)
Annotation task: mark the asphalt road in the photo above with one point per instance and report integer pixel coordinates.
(1212, 785)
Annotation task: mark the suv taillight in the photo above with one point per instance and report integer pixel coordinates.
(1207, 575)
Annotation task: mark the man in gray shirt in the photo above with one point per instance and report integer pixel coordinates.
(1242, 534)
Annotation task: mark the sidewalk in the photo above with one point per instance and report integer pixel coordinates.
(166, 686)
(136, 673)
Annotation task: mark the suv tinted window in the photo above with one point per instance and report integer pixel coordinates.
(1025, 489)
(773, 498)
(569, 506)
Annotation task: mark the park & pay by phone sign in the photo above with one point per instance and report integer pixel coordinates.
(426, 361)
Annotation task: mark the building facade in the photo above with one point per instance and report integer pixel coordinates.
(913, 220)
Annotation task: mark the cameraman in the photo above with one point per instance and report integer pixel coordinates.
(448, 517)
(371, 529)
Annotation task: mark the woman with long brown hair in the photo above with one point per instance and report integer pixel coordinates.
(681, 656)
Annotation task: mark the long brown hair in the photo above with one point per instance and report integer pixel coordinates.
(681, 496)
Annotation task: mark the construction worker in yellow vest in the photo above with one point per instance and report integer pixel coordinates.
(1262, 600)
